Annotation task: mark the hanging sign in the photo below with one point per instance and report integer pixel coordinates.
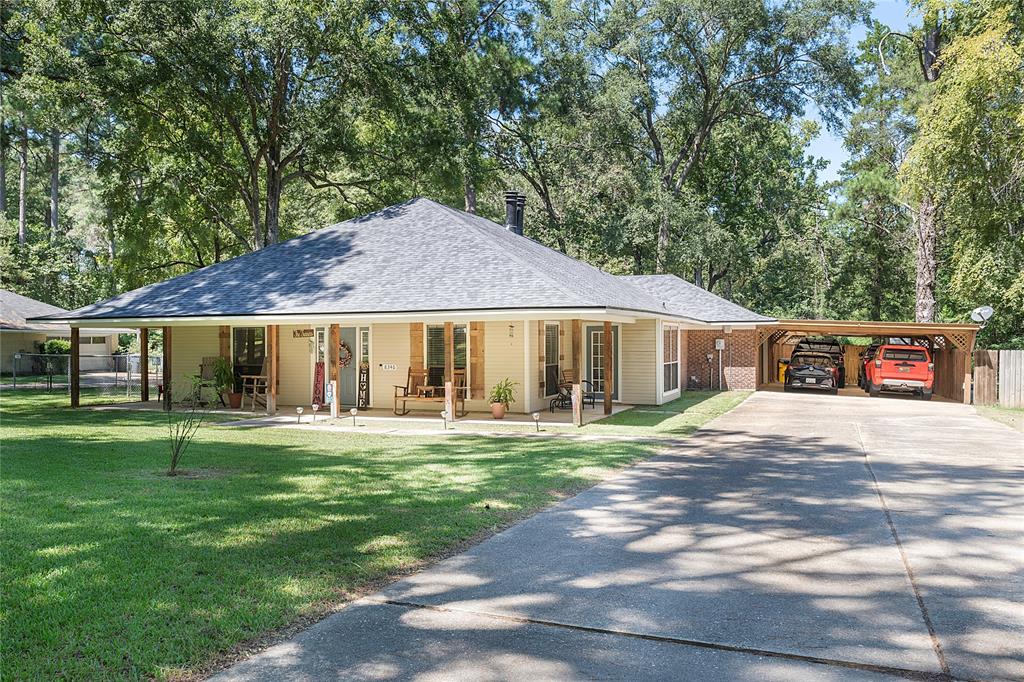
(302, 333)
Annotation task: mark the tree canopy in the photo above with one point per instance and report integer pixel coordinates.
(139, 141)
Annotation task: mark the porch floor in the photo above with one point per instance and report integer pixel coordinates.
(382, 416)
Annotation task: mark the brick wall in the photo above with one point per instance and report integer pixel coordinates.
(739, 359)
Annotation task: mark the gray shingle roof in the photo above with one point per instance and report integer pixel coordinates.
(16, 311)
(689, 300)
(418, 256)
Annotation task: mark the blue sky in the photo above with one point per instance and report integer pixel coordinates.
(893, 13)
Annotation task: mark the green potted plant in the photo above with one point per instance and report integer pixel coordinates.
(502, 395)
(224, 382)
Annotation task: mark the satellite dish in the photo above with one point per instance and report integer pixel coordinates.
(982, 314)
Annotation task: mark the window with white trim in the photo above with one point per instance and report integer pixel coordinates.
(670, 358)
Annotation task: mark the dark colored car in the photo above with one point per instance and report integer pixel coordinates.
(862, 370)
(830, 347)
(812, 370)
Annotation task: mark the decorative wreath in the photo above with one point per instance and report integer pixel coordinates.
(344, 355)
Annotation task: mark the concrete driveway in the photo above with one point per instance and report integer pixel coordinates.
(797, 537)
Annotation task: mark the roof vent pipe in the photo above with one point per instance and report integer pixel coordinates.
(511, 211)
(520, 210)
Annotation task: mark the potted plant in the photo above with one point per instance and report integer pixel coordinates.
(502, 395)
(224, 382)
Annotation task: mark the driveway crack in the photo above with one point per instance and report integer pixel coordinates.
(936, 644)
(906, 673)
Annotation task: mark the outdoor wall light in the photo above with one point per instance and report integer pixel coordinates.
(315, 406)
(353, 412)
(298, 414)
(536, 420)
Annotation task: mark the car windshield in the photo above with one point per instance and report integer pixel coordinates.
(812, 360)
(901, 354)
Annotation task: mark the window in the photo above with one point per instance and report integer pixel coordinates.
(915, 355)
(250, 348)
(551, 359)
(670, 359)
(435, 351)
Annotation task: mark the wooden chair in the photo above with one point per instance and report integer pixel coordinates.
(206, 375)
(418, 389)
(256, 386)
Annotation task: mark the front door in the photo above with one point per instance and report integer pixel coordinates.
(595, 360)
(348, 376)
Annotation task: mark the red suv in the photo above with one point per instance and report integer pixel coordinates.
(907, 369)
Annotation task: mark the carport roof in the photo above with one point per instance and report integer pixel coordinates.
(960, 334)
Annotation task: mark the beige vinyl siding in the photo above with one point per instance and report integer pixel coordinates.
(638, 355)
(503, 358)
(189, 345)
(389, 344)
(18, 342)
(295, 384)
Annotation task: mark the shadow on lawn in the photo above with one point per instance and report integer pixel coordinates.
(121, 569)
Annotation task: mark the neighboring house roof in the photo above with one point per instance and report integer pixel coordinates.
(17, 313)
(418, 256)
(689, 300)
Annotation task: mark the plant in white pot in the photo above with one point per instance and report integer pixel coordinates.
(502, 396)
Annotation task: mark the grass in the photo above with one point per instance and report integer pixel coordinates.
(1011, 416)
(681, 417)
(113, 570)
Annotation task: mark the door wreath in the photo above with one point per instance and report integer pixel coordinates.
(344, 355)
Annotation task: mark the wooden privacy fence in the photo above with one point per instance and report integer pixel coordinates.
(999, 377)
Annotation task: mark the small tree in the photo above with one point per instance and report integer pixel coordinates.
(183, 424)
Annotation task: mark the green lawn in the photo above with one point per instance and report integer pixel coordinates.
(681, 417)
(1011, 416)
(111, 569)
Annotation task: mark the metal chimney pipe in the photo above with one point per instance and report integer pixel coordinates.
(511, 198)
(520, 211)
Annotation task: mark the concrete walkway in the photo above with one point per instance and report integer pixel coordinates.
(797, 537)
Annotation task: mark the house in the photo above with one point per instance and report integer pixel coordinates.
(21, 335)
(422, 286)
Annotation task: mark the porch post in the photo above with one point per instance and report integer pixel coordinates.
(334, 348)
(577, 349)
(609, 367)
(272, 379)
(449, 351)
(167, 369)
(74, 359)
(968, 367)
(144, 364)
(577, 404)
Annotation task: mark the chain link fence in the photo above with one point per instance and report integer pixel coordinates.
(114, 375)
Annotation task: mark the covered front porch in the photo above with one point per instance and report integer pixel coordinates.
(365, 363)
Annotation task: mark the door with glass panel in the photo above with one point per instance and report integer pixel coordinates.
(595, 360)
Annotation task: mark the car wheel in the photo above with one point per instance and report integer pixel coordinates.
(926, 395)
(786, 388)
(842, 378)
(874, 390)
(834, 391)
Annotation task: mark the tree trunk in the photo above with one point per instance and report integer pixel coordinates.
(663, 242)
(470, 192)
(698, 276)
(927, 265)
(3, 162)
(54, 182)
(22, 184)
(274, 186)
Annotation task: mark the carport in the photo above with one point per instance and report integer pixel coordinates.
(951, 346)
